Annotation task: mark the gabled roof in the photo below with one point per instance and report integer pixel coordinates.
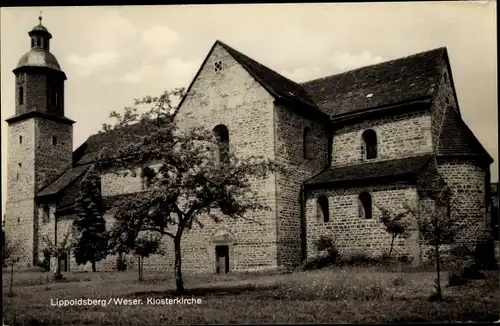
(112, 142)
(396, 81)
(280, 87)
(273, 82)
(367, 171)
(455, 138)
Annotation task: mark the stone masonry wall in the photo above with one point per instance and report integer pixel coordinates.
(354, 234)
(52, 160)
(20, 206)
(466, 180)
(233, 98)
(290, 152)
(465, 177)
(397, 137)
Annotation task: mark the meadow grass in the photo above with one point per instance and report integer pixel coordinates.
(332, 295)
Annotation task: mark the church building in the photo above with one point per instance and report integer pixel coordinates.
(355, 142)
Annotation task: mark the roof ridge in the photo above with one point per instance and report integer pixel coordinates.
(443, 48)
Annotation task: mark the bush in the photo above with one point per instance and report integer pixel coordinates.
(329, 254)
(45, 263)
(484, 255)
(456, 278)
(463, 272)
(121, 264)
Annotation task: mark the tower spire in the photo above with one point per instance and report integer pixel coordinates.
(40, 18)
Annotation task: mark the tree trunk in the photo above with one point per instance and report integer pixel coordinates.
(392, 246)
(93, 267)
(11, 293)
(438, 270)
(139, 268)
(179, 283)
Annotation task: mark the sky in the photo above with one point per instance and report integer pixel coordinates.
(112, 55)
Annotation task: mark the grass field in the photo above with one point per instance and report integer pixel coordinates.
(334, 295)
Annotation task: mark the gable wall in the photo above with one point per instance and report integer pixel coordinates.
(233, 98)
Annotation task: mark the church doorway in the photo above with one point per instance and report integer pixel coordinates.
(222, 259)
(63, 263)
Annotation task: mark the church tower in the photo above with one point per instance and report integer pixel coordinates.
(40, 141)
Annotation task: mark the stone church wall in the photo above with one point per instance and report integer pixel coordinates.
(353, 233)
(399, 136)
(233, 98)
(290, 152)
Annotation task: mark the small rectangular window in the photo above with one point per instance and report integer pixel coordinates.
(54, 140)
(21, 95)
(20, 139)
(46, 214)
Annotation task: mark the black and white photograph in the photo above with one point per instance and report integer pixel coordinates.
(250, 163)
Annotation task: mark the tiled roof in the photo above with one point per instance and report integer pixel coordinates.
(112, 142)
(275, 83)
(386, 83)
(63, 181)
(456, 138)
(371, 170)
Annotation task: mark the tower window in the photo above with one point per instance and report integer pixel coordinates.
(38, 42)
(54, 140)
(20, 139)
(222, 136)
(365, 205)
(322, 209)
(369, 144)
(32, 42)
(21, 95)
(46, 214)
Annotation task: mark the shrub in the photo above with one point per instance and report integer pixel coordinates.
(121, 264)
(464, 271)
(456, 278)
(45, 263)
(484, 255)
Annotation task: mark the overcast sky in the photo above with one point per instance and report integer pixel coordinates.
(113, 54)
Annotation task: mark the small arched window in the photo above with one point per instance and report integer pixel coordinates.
(222, 136)
(369, 144)
(308, 142)
(21, 140)
(54, 140)
(323, 212)
(38, 42)
(21, 95)
(32, 42)
(365, 205)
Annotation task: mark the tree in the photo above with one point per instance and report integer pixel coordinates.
(436, 225)
(187, 184)
(395, 225)
(59, 249)
(9, 258)
(125, 236)
(92, 243)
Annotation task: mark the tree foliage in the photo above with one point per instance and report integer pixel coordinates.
(187, 185)
(92, 243)
(395, 224)
(436, 224)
